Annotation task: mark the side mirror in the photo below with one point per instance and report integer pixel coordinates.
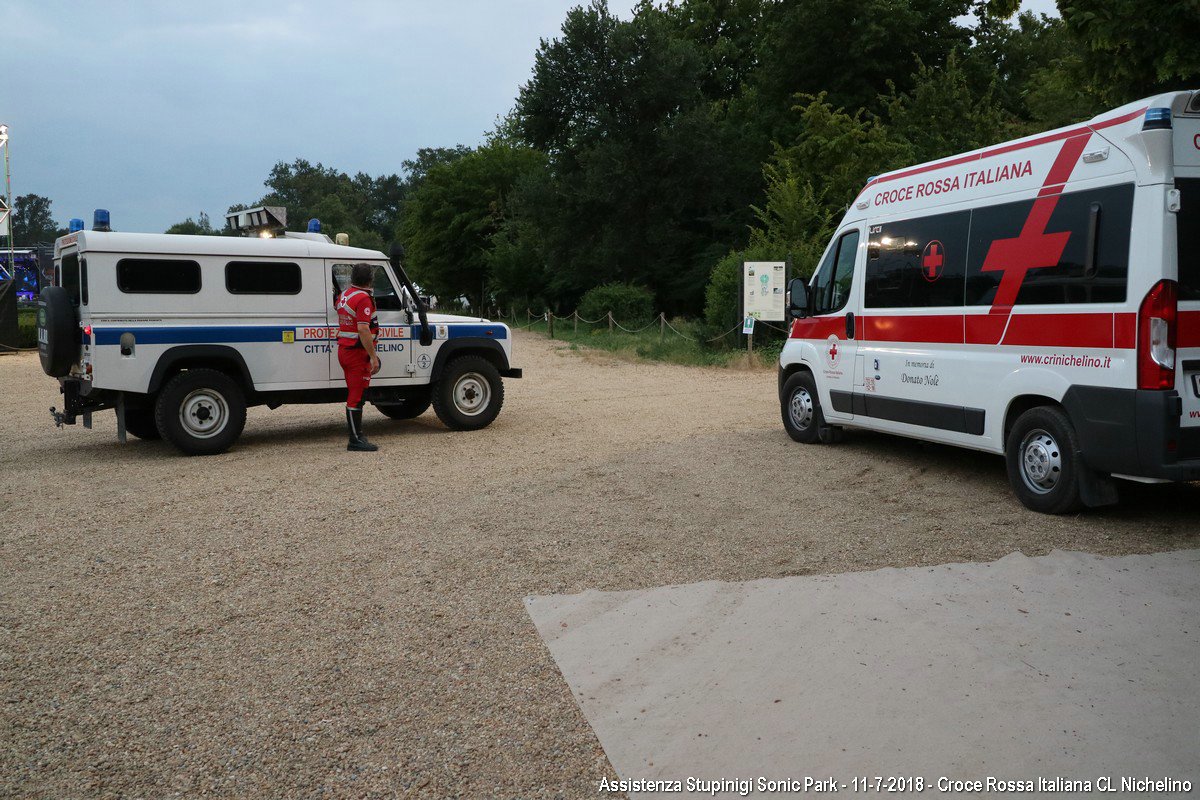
(396, 254)
(426, 336)
(797, 298)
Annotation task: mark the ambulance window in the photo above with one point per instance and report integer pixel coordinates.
(262, 277)
(1096, 221)
(831, 289)
(157, 276)
(917, 263)
(1187, 226)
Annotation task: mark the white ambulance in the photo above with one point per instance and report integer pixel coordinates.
(1039, 299)
(179, 334)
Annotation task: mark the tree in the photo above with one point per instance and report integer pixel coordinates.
(452, 217)
(192, 227)
(32, 220)
(650, 179)
(1134, 48)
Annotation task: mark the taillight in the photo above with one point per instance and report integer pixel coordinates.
(1156, 337)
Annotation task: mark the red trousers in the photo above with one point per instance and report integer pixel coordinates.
(356, 364)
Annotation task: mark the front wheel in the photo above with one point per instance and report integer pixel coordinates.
(801, 409)
(469, 394)
(201, 412)
(1042, 452)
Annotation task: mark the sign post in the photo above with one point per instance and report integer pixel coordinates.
(763, 285)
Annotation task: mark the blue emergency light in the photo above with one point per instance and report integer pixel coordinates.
(100, 220)
(314, 225)
(1157, 119)
(75, 225)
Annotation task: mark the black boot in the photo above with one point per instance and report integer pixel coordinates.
(358, 442)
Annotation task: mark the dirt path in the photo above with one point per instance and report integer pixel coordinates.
(247, 625)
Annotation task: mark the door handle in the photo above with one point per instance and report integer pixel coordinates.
(850, 325)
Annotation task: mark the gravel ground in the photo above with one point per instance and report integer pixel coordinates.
(258, 624)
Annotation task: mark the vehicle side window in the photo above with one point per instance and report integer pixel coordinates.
(1094, 220)
(917, 263)
(387, 298)
(831, 288)
(262, 277)
(158, 276)
(1187, 226)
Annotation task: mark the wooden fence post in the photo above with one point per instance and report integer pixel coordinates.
(610, 322)
(662, 325)
(550, 323)
(575, 323)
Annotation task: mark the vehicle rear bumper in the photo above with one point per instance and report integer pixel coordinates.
(1134, 432)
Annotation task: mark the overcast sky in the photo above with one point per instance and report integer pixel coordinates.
(158, 111)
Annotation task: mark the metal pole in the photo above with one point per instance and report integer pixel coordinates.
(10, 272)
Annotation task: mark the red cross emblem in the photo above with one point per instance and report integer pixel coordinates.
(933, 259)
(833, 352)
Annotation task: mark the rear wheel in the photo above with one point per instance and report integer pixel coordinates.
(201, 412)
(1042, 452)
(141, 423)
(469, 393)
(409, 408)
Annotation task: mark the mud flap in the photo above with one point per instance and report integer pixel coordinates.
(121, 434)
(1095, 488)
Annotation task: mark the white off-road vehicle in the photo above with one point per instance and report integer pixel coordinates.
(180, 334)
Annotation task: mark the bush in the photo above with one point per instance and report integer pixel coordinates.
(27, 327)
(630, 305)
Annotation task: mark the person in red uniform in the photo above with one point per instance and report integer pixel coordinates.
(357, 329)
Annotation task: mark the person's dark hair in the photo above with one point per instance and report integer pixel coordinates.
(362, 275)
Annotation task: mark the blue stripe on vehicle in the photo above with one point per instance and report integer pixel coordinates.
(213, 334)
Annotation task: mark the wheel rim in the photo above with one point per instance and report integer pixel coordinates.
(472, 393)
(204, 413)
(800, 408)
(1041, 462)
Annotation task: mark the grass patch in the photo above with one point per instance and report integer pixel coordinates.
(653, 344)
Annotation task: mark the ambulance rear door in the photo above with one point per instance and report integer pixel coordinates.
(1187, 221)
(394, 342)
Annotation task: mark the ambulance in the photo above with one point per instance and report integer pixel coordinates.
(178, 335)
(1039, 299)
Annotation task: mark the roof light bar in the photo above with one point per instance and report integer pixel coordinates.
(269, 220)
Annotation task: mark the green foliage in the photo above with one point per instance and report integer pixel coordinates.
(630, 305)
(915, 118)
(194, 227)
(32, 221)
(27, 327)
(1132, 48)
(453, 217)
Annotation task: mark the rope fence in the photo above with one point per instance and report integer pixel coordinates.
(549, 318)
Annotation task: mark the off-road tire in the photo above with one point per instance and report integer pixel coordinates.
(59, 337)
(1042, 452)
(461, 384)
(192, 392)
(409, 408)
(141, 423)
(800, 407)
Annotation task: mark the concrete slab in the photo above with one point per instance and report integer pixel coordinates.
(1065, 666)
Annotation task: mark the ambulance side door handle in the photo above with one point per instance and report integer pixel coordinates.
(850, 325)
